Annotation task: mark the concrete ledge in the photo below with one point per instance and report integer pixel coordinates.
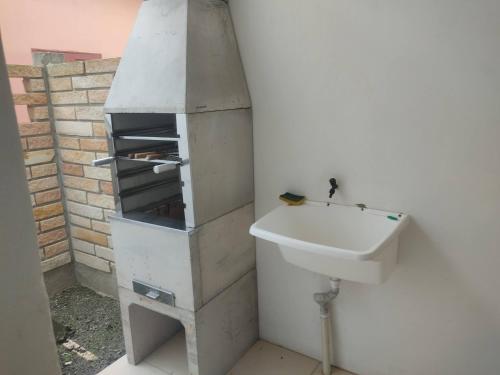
(56, 262)
(59, 279)
(99, 281)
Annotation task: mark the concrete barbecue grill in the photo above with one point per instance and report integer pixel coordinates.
(180, 130)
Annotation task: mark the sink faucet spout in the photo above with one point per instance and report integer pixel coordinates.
(334, 186)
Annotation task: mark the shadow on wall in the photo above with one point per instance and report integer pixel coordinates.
(426, 272)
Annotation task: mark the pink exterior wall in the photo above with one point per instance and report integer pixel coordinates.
(97, 26)
(93, 26)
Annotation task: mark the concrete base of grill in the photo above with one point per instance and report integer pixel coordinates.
(195, 265)
(217, 335)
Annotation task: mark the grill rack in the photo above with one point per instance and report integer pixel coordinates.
(146, 164)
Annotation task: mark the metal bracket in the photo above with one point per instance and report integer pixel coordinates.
(157, 294)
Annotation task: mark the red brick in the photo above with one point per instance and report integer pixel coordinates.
(76, 196)
(80, 221)
(69, 97)
(74, 128)
(56, 248)
(81, 183)
(60, 84)
(33, 98)
(51, 237)
(43, 184)
(64, 113)
(56, 261)
(101, 200)
(38, 113)
(43, 170)
(65, 69)
(48, 210)
(47, 196)
(37, 143)
(93, 81)
(72, 169)
(97, 96)
(98, 173)
(24, 71)
(95, 112)
(106, 187)
(78, 157)
(101, 226)
(99, 129)
(89, 236)
(33, 128)
(102, 65)
(38, 157)
(33, 84)
(90, 144)
(69, 142)
(52, 223)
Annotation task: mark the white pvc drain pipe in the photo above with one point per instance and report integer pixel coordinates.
(324, 300)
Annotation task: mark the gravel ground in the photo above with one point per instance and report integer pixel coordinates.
(88, 330)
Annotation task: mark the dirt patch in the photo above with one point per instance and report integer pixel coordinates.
(88, 329)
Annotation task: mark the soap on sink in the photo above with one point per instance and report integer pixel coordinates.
(292, 199)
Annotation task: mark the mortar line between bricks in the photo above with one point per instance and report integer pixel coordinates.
(58, 162)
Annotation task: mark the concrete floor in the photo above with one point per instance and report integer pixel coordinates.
(263, 358)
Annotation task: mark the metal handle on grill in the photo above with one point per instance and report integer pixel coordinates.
(104, 161)
(165, 166)
(153, 294)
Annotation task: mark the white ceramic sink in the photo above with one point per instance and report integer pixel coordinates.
(338, 241)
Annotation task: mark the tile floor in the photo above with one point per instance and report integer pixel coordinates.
(263, 358)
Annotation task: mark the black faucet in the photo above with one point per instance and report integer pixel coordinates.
(333, 182)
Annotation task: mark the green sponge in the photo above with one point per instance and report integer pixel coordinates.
(292, 199)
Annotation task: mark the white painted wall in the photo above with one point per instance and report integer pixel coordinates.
(27, 344)
(400, 100)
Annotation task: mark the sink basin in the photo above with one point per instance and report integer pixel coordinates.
(338, 241)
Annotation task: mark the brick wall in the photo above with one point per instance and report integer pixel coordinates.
(71, 199)
(78, 91)
(40, 159)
